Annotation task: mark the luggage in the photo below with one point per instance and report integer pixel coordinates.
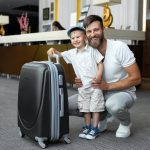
(43, 102)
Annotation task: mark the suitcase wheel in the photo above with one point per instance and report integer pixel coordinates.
(42, 144)
(41, 141)
(21, 134)
(66, 139)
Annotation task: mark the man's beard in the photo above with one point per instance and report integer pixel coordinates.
(96, 41)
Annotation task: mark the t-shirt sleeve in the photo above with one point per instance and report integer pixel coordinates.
(66, 56)
(125, 55)
(98, 56)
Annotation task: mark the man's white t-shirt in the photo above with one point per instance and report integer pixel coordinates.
(117, 57)
(84, 63)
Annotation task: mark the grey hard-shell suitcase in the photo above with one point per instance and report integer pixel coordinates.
(43, 102)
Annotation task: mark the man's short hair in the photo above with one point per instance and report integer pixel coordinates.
(89, 19)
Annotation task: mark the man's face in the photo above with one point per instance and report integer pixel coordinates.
(95, 34)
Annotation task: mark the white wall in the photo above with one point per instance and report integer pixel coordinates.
(65, 8)
(124, 14)
(44, 4)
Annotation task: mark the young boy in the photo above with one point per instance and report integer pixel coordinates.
(87, 64)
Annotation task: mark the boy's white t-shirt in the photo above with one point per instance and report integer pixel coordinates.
(84, 63)
(117, 57)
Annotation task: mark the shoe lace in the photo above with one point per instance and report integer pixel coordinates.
(92, 132)
(86, 129)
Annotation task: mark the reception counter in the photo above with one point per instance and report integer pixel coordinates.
(16, 50)
(13, 57)
(62, 35)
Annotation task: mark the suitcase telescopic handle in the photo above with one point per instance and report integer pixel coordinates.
(56, 56)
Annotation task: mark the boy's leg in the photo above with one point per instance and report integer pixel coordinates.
(97, 106)
(96, 116)
(83, 105)
(87, 118)
(94, 129)
(87, 128)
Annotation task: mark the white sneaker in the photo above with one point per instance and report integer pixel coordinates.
(93, 134)
(123, 131)
(102, 125)
(85, 131)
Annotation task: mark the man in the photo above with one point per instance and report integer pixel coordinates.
(120, 75)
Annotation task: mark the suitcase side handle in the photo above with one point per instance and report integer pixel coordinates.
(56, 56)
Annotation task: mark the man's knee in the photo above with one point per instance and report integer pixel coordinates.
(112, 108)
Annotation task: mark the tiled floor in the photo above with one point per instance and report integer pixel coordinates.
(9, 138)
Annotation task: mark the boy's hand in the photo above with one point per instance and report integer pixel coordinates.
(96, 79)
(51, 51)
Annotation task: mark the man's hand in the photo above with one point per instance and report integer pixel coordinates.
(101, 85)
(78, 82)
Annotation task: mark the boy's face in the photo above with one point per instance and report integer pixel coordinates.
(78, 39)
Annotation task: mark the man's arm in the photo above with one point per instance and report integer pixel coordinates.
(134, 78)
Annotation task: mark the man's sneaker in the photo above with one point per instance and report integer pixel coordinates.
(102, 125)
(85, 131)
(123, 131)
(93, 134)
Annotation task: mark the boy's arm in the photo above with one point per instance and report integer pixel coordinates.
(52, 51)
(99, 73)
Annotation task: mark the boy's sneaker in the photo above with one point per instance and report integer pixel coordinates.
(85, 131)
(93, 134)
